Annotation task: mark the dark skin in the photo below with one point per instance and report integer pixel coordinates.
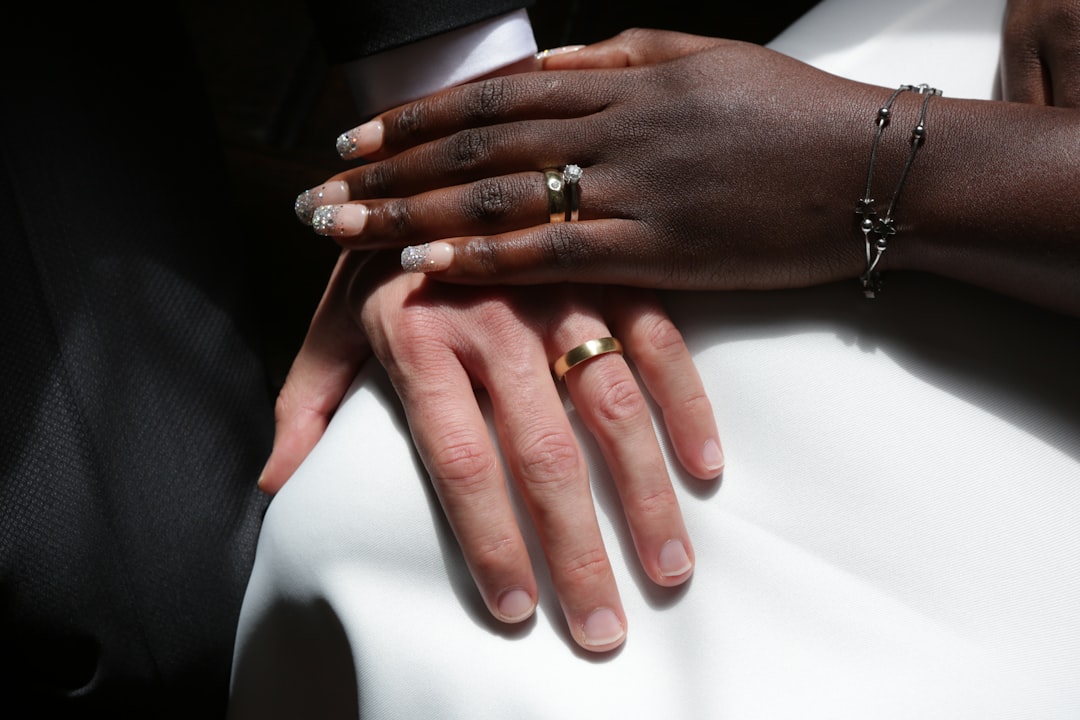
(712, 164)
(709, 164)
(1040, 56)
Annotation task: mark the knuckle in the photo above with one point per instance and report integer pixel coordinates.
(550, 460)
(695, 403)
(282, 407)
(410, 120)
(633, 35)
(588, 566)
(482, 254)
(619, 401)
(376, 181)
(490, 200)
(493, 555)
(394, 218)
(657, 502)
(560, 247)
(467, 148)
(489, 100)
(294, 407)
(461, 463)
(663, 337)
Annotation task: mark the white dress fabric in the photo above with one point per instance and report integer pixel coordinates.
(897, 534)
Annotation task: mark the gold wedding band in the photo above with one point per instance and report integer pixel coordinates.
(585, 351)
(553, 181)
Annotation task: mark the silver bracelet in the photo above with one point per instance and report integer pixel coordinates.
(885, 227)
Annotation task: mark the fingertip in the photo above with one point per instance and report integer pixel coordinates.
(427, 258)
(602, 631)
(674, 563)
(363, 140)
(515, 605)
(339, 220)
(269, 479)
(550, 55)
(712, 455)
(329, 193)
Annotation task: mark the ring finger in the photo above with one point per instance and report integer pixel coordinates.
(486, 207)
(613, 408)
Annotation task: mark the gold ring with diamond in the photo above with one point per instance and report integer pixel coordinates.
(553, 181)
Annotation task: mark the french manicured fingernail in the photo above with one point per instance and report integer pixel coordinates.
(515, 605)
(558, 51)
(429, 257)
(602, 628)
(674, 560)
(360, 141)
(339, 220)
(713, 456)
(329, 193)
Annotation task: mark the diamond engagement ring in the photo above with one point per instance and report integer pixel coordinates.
(571, 176)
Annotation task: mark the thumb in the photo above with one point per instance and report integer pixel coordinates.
(628, 48)
(332, 352)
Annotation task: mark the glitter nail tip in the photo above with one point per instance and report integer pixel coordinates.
(324, 218)
(413, 259)
(305, 205)
(346, 145)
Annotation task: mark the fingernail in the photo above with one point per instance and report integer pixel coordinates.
(713, 456)
(360, 141)
(429, 257)
(326, 194)
(558, 51)
(261, 482)
(674, 560)
(515, 605)
(339, 220)
(602, 628)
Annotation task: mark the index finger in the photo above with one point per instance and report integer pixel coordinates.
(527, 96)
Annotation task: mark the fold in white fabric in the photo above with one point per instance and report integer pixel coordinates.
(897, 534)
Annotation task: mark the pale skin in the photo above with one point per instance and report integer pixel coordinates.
(440, 344)
(992, 202)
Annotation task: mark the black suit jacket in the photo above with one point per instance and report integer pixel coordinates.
(135, 412)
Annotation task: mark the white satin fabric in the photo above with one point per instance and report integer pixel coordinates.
(897, 534)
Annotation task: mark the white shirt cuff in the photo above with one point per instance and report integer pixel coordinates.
(406, 73)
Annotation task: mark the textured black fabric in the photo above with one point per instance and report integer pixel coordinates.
(135, 415)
